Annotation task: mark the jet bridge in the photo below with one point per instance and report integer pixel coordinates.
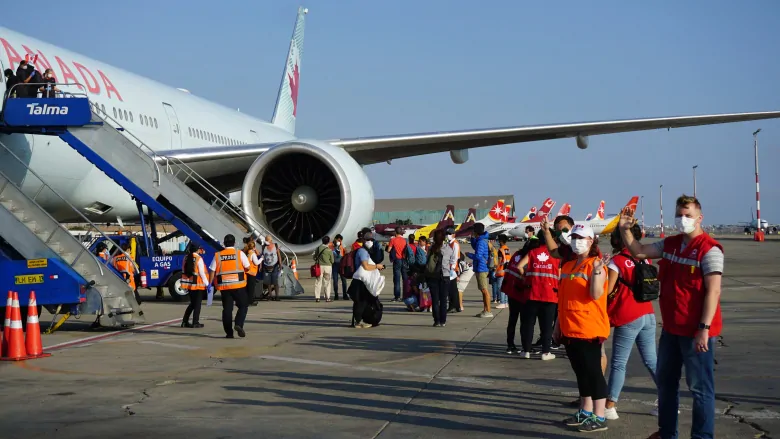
(167, 186)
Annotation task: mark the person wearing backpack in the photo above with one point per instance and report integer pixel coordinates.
(439, 269)
(634, 321)
(479, 242)
(363, 301)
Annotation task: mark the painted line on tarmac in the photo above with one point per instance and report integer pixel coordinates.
(69, 344)
(171, 345)
(373, 369)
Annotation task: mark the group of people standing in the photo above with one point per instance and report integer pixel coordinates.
(27, 82)
(578, 295)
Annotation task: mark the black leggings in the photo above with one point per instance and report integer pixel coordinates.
(514, 312)
(251, 283)
(546, 312)
(196, 298)
(585, 359)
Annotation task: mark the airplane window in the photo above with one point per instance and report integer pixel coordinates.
(114, 112)
(120, 115)
(131, 116)
(125, 111)
(155, 122)
(103, 108)
(144, 119)
(189, 130)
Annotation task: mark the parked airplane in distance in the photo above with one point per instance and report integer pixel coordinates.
(300, 189)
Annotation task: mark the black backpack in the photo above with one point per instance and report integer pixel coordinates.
(646, 285)
(433, 266)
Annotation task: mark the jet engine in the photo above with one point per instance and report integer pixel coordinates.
(582, 141)
(303, 190)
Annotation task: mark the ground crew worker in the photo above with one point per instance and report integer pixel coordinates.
(583, 325)
(541, 273)
(250, 249)
(102, 252)
(690, 272)
(503, 260)
(126, 269)
(454, 298)
(228, 274)
(194, 280)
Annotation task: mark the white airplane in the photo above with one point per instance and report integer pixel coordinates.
(301, 189)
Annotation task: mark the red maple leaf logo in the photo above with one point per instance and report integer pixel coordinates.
(294, 87)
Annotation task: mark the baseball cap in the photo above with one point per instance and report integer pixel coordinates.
(583, 231)
(449, 230)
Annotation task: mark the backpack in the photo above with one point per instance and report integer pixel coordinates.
(421, 258)
(492, 257)
(646, 285)
(347, 266)
(372, 313)
(410, 256)
(433, 266)
(377, 254)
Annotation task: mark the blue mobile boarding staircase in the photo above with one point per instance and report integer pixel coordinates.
(166, 185)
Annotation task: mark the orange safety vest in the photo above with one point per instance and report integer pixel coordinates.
(230, 272)
(579, 315)
(125, 267)
(503, 260)
(192, 282)
(457, 255)
(252, 266)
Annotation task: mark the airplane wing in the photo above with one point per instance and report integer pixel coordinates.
(228, 162)
(368, 150)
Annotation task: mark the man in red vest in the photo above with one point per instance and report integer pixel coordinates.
(690, 272)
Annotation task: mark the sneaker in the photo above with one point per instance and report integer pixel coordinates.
(485, 315)
(611, 414)
(593, 423)
(578, 419)
(501, 306)
(548, 356)
(240, 331)
(525, 355)
(436, 325)
(556, 346)
(363, 325)
(512, 350)
(443, 325)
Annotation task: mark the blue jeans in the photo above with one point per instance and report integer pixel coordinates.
(642, 332)
(399, 277)
(335, 276)
(498, 296)
(674, 352)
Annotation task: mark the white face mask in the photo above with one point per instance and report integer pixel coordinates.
(566, 238)
(449, 237)
(684, 224)
(580, 246)
(267, 242)
(369, 244)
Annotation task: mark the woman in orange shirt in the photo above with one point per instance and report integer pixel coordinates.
(583, 325)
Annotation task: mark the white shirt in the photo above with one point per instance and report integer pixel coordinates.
(455, 253)
(255, 259)
(201, 268)
(241, 255)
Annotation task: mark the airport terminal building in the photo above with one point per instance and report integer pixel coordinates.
(430, 210)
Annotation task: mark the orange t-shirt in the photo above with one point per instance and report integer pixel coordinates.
(397, 244)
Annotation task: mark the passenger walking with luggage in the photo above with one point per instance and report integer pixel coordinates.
(583, 325)
(323, 257)
(194, 280)
(227, 273)
(439, 272)
(634, 321)
(358, 290)
(690, 272)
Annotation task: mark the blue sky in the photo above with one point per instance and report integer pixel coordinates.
(373, 68)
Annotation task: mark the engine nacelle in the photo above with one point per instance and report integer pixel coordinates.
(303, 190)
(582, 141)
(459, 156)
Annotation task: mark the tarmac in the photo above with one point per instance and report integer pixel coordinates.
(301, 372)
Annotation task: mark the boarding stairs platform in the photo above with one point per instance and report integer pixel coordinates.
(167, 186)
(35, 234)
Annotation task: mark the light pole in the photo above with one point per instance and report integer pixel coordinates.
(694, 180)
(759, 235)
(661, 190)
(642, 201)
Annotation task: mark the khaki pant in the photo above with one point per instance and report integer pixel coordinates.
(324, 281)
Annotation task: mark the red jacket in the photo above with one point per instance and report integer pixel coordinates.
(682, 286)
(514, 284)
(542, 275)
(621, 305)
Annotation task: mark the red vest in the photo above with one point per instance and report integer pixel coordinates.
(682, 286)
(621, 305)
(514, 284)
(542, 275)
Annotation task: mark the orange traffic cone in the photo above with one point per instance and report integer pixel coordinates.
(7, 323)
(33, 342)
(16, 350)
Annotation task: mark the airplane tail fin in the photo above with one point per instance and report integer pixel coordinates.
(507, 213)
(632, 203)
(286, 108)
(530, 215)
(544, 212)
(589, 217)
(565, 209)
(471, 218)
(495, 215)
(600, 212)
(448, 219)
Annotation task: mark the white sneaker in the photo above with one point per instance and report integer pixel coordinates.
(548, 357)
(524, 354)
(611, 414)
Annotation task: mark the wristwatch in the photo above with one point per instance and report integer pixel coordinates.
(703, 326)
